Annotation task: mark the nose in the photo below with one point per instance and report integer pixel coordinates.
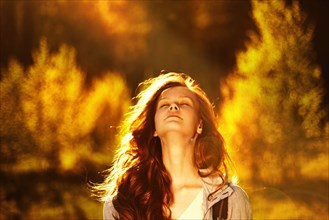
(173, 107)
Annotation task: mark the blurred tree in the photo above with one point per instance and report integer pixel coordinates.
(107, 35)
(15, 138)
(50, 119)
(136, 38)
(272, 116)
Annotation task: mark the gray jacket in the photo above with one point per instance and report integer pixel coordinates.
(238, 203)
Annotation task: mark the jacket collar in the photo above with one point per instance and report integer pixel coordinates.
(210, 184)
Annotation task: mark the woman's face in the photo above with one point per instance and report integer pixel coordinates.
(177, 111)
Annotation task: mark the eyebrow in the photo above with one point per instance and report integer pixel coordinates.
(182, 97)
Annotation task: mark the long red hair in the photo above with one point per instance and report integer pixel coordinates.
(138, 182)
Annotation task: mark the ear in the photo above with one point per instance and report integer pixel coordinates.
(155, 134)
(199, 129)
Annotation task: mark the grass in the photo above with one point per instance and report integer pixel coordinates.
(47, 196)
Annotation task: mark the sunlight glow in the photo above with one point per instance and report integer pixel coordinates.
(271, 115)
(59, 114)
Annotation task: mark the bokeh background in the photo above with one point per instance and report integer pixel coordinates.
(69, 70)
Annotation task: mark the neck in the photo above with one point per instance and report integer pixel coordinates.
(178, 154)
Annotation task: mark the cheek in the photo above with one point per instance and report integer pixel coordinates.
(193, 115)
(156, 119)
(196, 121)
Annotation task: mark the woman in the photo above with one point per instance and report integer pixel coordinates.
(172, 161)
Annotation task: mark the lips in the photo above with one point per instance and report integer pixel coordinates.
(173, 116)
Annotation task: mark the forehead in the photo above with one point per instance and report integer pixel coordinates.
(178, 91)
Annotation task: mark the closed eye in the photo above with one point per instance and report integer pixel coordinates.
(163, 104)
(185, 104)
